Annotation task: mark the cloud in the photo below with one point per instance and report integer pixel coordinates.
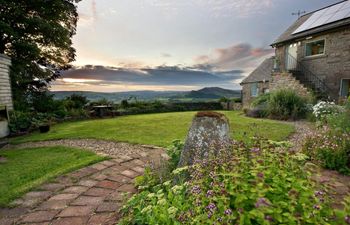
(159, 78)
(166, 55)
(240, 56)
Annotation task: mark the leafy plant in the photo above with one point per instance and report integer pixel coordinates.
(286, 104)
(262, 183)
(19, 121)
(331, 148)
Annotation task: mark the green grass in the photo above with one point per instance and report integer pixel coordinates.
(26, 169)
(157, 129)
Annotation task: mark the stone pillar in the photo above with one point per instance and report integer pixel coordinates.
(5, 94)
(209, 134)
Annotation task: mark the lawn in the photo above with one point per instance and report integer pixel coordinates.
(26, 169)
(157, 129)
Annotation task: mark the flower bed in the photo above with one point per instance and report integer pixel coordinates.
(261, 183)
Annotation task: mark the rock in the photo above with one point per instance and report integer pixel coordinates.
(209, 132)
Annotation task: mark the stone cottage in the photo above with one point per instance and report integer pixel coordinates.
(5, 94)
(313, 54)
(257, 82)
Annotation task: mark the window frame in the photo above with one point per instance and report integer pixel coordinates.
(341, 87)
(256, 84)
(312, 41)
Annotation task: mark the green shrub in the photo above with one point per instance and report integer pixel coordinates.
(258, 184)
(19, 121)
(331, 148)
(286, 104)
(341, 119)
(261, 100)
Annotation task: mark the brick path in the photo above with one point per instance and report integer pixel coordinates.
(337, 185)
(91, 195)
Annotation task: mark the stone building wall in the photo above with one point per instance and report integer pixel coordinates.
(331, 67)
(5, 84)
(287, 81)
(247, 98)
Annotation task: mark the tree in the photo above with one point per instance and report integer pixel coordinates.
(36, 34)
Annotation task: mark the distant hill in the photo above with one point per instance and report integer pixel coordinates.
(208, 93)
(214, 93)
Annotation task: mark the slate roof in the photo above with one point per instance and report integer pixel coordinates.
(262, 72)
(289, 36)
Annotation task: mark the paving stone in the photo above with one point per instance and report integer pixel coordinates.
(127, 188)
(130, 173)
(77, 211)
(108, 207)
(7, 221)
(108, 184)
(120, 178)
(99, 218)
(67, 181)
(87, 200)
(108, 163)
(138, 169)
(39, 216)
(75, 189)
(13, 212)
(54, 204)
(117, 196)
(99, 176)
(71, 221)
(88, 183)
(35, 197)
(99, 166)
(52, 187)
(64, 197)
(99, 192)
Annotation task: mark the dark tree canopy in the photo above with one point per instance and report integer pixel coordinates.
(37, 35)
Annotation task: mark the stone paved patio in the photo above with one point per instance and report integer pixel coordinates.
(91, 195)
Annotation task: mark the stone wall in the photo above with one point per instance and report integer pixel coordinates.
(331, 67)
(5, 84)
(247, 98)
(287, 81)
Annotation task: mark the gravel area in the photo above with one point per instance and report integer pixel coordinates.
(108, 148)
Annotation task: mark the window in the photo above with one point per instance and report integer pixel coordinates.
(254, 90)
(345, 88)
(315, 48)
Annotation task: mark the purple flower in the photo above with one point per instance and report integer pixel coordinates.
(196, 189)
(262, 202)
(317, 207)
(260, 175)
(211, 207)
(319, 193)
(269, 218)
(220, 219)
(228, 212)
(347, 219)
(255, 150)
(210, 193)
(210, 215)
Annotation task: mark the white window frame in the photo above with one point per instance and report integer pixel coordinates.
(311, 41)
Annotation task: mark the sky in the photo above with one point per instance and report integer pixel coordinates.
(167, 45)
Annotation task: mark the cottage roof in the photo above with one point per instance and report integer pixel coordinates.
(292, 32)
(262, 72)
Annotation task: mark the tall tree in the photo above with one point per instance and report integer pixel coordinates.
(37, 35)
